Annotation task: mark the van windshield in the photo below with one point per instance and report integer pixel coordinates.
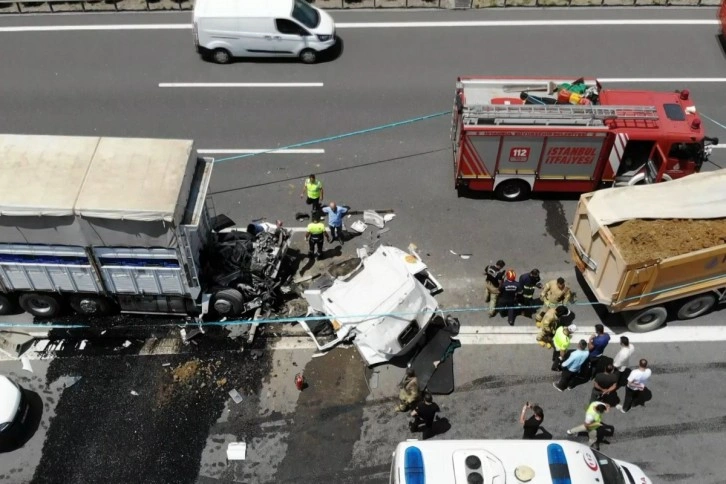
(305, 14)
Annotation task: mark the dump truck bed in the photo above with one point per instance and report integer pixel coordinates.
(626, 279)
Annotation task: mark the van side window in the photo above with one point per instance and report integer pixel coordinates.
(285, 26)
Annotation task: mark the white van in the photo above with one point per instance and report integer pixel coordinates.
(508, 461)
(224, 29)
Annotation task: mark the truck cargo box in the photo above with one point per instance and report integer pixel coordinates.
(81, 191)
(644, 246)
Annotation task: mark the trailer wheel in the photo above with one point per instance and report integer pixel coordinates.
(513, 190)
(228, 302)
(91, 304)
(696, 306)
(7, 304)
(41, 305)
(647, 319)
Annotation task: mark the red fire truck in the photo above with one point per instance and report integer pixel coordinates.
(515, 136)
(722, 17)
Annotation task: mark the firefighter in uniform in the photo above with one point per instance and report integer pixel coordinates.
(552, 319)
(554, 293)
(510, 292)
(529, 283)
(314, 236)
(313, 190)
(495, 275)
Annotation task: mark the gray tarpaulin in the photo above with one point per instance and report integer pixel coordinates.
(699, 196)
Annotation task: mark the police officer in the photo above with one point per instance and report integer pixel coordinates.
(314, 236)
(495, 275)
(554, 293)
(529, 283)
(510, 291)
(313, 190)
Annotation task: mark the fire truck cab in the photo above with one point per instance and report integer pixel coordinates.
(517, 136)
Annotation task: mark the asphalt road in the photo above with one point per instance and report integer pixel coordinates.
(107, 83)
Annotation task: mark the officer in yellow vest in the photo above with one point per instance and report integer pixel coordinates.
(314, 236)
(313, 190)
(593, 425)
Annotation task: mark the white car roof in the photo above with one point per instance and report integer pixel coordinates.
(9, 400)
(242, 8)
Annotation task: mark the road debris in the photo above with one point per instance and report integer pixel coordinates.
(236, 451)
(26, 364)
(134, 393)
(83, 344)
(126, 344)
(235, 396)
(463, 256)
(388, 217)
(358, 226)
(371, 217)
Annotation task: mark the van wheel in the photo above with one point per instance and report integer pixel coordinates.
(221, 56)
(41, 305)
(228, 302)
(7, 304)
(513, 190)
(308, 56)
(91, 305)
(647, 319)
(696, 306)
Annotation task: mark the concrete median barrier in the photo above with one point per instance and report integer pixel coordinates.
(11, 7)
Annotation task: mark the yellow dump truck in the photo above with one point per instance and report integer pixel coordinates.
(654, 252)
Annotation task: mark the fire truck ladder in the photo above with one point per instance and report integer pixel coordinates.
(554, 114)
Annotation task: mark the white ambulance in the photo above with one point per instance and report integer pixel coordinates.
(508, 462)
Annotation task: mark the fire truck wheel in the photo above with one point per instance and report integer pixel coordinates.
(41, 305)
(513, 190)
(91, 304)
(7, 304)
(696, 306)
(228, 302)
(221, 56)
(646, 320)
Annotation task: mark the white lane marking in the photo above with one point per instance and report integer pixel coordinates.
(271, 151)
(240, 84)
(719, 146)
(505, 335)
(662, 79)
(389, 25)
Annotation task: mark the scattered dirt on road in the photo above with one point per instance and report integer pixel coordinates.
(642, 240)
(185, 372)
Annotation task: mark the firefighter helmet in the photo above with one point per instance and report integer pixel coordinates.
(510, 275)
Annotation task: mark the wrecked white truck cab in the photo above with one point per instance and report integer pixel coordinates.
(382, 302)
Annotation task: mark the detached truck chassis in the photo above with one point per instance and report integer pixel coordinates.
(121, 224)
(651, 291)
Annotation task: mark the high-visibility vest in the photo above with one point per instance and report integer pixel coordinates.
(561, 340)
(316, 228)
(313, 188)
(594, 414)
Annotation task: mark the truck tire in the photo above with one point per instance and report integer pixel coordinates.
(40, 305)
(7, 304)
(647, 319)
(696, 306)
(513, 190)
(228, 302)
(91, 304)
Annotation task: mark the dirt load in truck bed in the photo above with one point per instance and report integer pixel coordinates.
(642, 240)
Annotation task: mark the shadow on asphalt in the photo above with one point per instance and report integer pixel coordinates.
(29, 427)
(721, 39)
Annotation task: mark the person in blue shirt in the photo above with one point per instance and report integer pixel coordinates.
(596, 345)
(572, 366)
(335, 221)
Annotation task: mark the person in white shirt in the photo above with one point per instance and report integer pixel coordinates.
(635, 388)
(622, 360)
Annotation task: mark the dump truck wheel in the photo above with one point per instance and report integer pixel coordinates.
(7, 304)
(513, 190)
(696, 306)
(647, 319)
(41, 305)
(228, 302)
(91, 305)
